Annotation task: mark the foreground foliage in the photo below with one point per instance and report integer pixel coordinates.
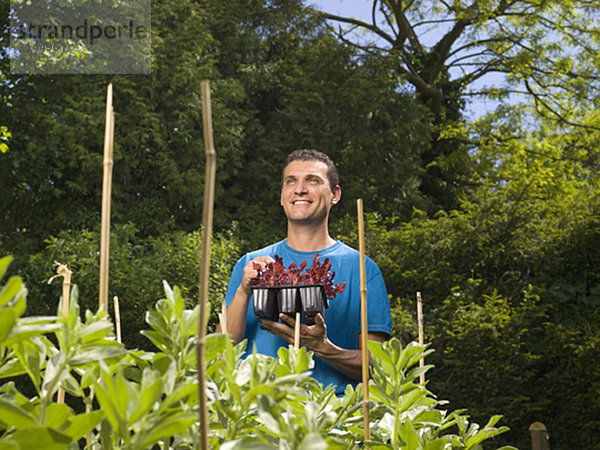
(137, 399)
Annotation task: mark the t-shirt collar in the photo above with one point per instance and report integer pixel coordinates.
(323, 252)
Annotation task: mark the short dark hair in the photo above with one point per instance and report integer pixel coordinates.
(314, 155)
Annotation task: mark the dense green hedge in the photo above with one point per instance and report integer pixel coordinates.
(137, 267)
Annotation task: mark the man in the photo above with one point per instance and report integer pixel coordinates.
(309, 189)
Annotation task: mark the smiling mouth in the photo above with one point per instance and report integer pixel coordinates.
(300, 202)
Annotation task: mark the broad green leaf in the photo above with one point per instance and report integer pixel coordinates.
(313, 441)
(388, 423)
(417, 371)
(113, 398)
(93, 331)
(493, 421)
(4, 263)
(190, 321)
(71, 385)
(79, 425)
(32, 356)
(215, 345)
(157, 339)
(430, 417)
(10, 290)
(409, 436)
(267, 412)
(158, 321)
(412, 398)
(89, 377)
(14, 416)
(178, 301)
(57, 414)
(175, 424)
(143, 396)
(438, 444)
(11, 368)
(182, 391)
(482, 435)
(110, 349)
(24, 332)
(9, 444)
(249, 443)
(41, 437)
(21, 304)
(409, 356)
(54, 374)
(8, 318)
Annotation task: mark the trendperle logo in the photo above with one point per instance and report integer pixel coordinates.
(84, 31)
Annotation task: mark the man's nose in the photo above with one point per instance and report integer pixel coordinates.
(301, 187)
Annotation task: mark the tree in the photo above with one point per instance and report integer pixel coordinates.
(544, 48)
(280, 82)
(51, 178)
(443, 51)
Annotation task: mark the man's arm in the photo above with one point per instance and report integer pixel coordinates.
(238, 308)
(314, 337)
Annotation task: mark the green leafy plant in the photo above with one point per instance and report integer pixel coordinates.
(406, 415)
(136, 399)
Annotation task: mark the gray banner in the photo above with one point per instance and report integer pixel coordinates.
(80, 37)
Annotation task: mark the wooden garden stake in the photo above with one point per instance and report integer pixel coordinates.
(106, 190)
(420, 321)
(363, 319)
(63, 271)
(223, 317)
(297, 331)
(117, 318)
(207, 219)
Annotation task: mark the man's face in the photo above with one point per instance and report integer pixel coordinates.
(306, 196)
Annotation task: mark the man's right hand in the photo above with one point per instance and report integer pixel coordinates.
(250, 273)
(238, 308)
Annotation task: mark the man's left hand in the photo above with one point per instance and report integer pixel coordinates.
(313, 337)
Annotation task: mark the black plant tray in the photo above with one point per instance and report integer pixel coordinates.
(288, 300)
(269, 301)
(265, 302)
(313, 301)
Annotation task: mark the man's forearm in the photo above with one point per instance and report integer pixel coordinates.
(236, 315)
(348, 362)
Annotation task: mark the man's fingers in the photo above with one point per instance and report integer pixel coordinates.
(276, 328)
(288, 319)
(319, 320)
(263, 260)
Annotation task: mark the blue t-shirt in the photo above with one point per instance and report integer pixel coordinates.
(343, 315)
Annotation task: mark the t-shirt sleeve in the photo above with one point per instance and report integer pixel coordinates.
(378, 303)
(236, 279)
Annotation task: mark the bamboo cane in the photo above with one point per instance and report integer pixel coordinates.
(117, 318)
(297, 331)
(63, 271)
(363, 319)
(207, 219)
(106, 190)
(223, 318)
(420, 321)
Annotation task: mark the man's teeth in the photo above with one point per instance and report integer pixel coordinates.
(300, 202)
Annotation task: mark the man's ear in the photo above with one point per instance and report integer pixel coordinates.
(337, 195)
